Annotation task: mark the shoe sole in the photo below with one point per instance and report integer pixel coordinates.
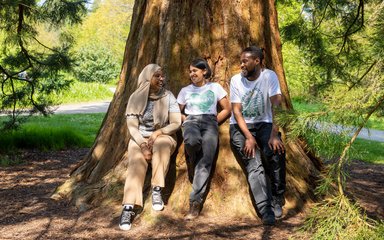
(125, 227)
(158, 207)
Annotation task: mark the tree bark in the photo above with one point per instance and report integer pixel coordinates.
(172, 33)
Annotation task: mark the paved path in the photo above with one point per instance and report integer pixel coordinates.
(371, 134)
(96, 107)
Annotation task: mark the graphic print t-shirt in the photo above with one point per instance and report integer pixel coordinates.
(254, 96)
(201, 100)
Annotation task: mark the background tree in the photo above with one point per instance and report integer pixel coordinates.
(100, 40)
(30, 68)
(338, 43)
(171, 33)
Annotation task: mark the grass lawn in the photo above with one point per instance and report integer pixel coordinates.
(86, 92)
(373, 123)
(54, 132)
(368, 151)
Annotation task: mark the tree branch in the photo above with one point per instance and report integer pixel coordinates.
(344, 153)
(348, 33)
(361, 78)
(322, 18)
(19, 34)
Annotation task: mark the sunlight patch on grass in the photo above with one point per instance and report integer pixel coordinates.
(54, 132)
(85, 92)
(368, 151)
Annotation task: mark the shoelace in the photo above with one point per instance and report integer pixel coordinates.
(156, 198)
(126, 216)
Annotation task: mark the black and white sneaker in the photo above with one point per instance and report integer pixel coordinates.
(277, 206)
(126, 219)
(157, 200)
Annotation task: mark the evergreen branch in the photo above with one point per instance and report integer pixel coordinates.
(322, 18)
(348, 33)
(44, 45)
(3, 70)
(19, 32)
(349, 144)
(362, 77)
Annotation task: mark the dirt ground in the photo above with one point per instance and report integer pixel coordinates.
(27, 212)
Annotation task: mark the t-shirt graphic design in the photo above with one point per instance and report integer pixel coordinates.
(202, 101)
(253, 103)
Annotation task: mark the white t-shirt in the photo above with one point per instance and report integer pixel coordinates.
(254, 96)
(201, 100)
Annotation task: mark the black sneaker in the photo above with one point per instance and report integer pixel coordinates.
(268, 218)
(126, 219)
(277, 206)
(157, 200)
(194, 210)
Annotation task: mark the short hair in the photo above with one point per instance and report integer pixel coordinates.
(202, 64)
(255, 52)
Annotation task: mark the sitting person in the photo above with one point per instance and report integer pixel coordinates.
(198, 103)
(153, 117)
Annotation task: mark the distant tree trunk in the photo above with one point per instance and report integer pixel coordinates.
(171, 33)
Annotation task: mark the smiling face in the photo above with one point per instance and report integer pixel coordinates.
(157, 81)
(250, 66)
(197, 75)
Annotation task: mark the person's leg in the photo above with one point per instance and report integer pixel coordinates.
(164, 146)
(137, 169)
(276, 164)
(255, 175)
(209, 140)
(133, 188)
(192, 139)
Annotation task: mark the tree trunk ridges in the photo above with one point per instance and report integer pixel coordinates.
(172, 33)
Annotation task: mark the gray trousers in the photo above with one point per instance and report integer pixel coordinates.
(200, 134)
(256, 171)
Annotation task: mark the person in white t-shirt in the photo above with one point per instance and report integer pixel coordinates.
(198, 104)
(255, 92)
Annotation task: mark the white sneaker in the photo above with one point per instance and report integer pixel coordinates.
(157, 200)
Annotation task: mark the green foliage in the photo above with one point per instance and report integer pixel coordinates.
(107, 28)
(95, 64)
(303, 106)
(334, 49)
(338, 218)
(41, 138)
(31, 68)
(54, 132)
(80, 92)
(368, 151)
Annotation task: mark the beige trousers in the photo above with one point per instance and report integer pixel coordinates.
(163, 147)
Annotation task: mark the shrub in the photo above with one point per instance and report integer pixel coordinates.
(95, 64)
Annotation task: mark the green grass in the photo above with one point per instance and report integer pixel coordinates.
(304, 107)
(53, 133)
(85, 92)
(330, 146)
(368, 151)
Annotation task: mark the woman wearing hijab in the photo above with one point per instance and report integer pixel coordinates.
(153, 117)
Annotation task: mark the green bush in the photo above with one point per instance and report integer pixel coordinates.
(95, 64)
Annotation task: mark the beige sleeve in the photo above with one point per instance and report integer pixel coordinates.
(174, 123)
(133, 128)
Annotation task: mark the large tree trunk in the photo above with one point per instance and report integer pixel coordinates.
(171, 33)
